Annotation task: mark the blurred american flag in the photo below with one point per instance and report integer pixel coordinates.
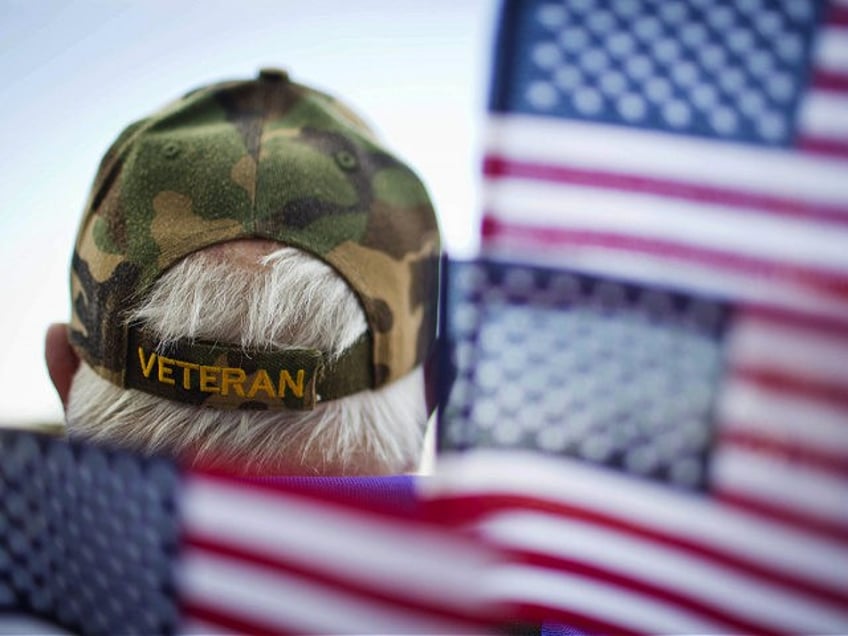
(648, 163)
(693, 143)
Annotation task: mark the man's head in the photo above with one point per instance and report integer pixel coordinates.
(254, 281)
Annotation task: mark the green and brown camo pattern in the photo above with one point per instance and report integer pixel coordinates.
(265, 158)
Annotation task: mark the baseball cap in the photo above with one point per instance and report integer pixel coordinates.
(263, 158)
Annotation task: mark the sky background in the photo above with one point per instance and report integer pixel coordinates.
(74, 73)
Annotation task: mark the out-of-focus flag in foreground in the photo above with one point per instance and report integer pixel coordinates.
(104, 542)
(694, 143)
(664, 314)
(654, 461)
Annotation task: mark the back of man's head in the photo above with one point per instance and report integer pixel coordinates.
(254, 284)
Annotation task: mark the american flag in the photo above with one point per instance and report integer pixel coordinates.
(664, 313)
(700, 143)
(278, 558)
(653, 461)
(99, 541)
(604, 552)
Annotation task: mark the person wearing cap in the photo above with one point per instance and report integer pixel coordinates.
(254, 284)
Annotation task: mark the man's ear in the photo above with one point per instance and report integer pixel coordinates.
(62, 360)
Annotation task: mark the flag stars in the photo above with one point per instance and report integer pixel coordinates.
(542, 95)
(768, 23)
(626, 8)
(620, 44)
(676, 113)
(685, 74)
(772, 126)
(551, 16)
(704, 96)
(673, 13)
(588, 101)
(749, 7)
(790, 47)
(574, 39)
(632, 107)
(740, 41)
(647, 28)
(724, 120)
(594, 61)
(547, 55)
(720, 17)
(760, 63)
(752, 103)
(799, 10)
(639, 67)
(601, 22)
(694, 35)
(713, 57)
(780, 87)
(612, 83)
(658, 90)
(732, 80)
(568, 78)
(705, 67)
(667, 50)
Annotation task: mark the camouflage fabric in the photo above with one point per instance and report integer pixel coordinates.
(265, 158)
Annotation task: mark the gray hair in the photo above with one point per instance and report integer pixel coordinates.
(280, 299)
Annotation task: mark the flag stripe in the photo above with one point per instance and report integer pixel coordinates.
(797, 353)
(276, 557)
(645, 507)
(760, 410)
(818, 390)
(764, 477)
(620, 584)
(498, 167)
(656, 272)
(469, 510)
(793, 450)
(824, 146)
(644, 215)
(831, 51)
(837, 14)
(389, 592)
(827, 80)
(718, 592)
(774, 173)
(291, 603)
(750, 503)
(823, 325)
(382, 549)
(562, 589)
(754, 213)
(824, 115)
(824, 281)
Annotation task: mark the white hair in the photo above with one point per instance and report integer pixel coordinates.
(282, 299)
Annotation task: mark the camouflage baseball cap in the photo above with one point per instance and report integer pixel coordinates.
(270, 159)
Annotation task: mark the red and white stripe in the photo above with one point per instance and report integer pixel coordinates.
(755, 223)
(824, 112)
(782, 445)
(262, 559)
(596, 549)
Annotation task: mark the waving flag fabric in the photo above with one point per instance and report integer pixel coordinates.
(653, 461)
(104, 542)
(663, 314)
(695, 143)
(651, 393)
